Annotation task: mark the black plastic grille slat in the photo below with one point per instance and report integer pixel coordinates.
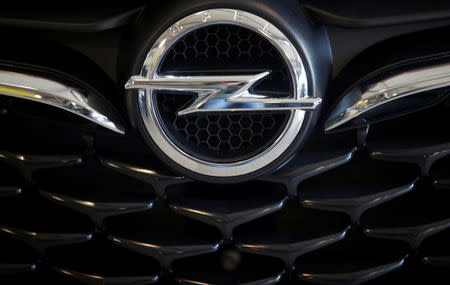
(289, 252)
(210, 270)
(89, 279)
(159, 181)
(177, 237)
(224, 208)
(100, 204)
(303, 167)
(412, 138)
(414, 235)
(165, 254)
(6, 191)
(122, 267)
(98, 211)
(441, 261)
(16, 268)
(27, 164)
(425, 216)
(265, 281)
(36, 215)
(352, 203)
(440, 173)
(41, 241)
(424, 157)
(352, 278)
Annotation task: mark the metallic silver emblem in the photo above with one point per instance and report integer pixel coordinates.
(224, 93)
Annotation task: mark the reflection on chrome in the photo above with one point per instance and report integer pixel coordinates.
(369, 94)
(219, 93)
(74, 99)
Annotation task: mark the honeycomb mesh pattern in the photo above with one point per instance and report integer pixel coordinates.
(220, 49)
(222, 135)
(226, 41)
(233, 47)
(229, 49)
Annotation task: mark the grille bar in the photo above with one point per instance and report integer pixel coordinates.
(353, 204)
(289, 252)
(90, 279)
(414, 235)
(424, 156)
(26, 164)
(41, 241)
(98, 211)
(166, 254)
(223, 218)
(303, 167)
(353, 278)
(160, 181)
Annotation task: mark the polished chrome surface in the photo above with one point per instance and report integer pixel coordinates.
(222, 93)
(74, 99)
(149, 73)
(370, 95)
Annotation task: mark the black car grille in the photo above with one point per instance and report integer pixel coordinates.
(80, 204)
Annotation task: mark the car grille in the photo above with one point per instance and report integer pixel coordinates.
(81, 204)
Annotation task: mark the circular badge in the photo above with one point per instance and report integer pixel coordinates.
(223, 93)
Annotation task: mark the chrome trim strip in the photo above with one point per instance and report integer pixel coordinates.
(74, 99)
(220, 93)
(369, 95)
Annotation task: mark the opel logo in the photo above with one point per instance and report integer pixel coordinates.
(222, 94)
